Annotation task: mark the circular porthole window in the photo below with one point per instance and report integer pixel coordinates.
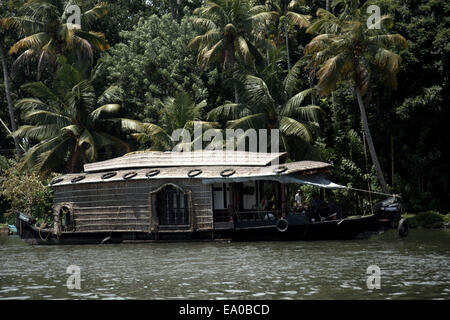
(77, 179)
(152, 173)
(57, 180)
(129, 175)
(194, 172)
(108, 175)
(280, 169)
(227, 172)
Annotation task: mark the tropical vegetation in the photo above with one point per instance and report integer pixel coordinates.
(371, 101)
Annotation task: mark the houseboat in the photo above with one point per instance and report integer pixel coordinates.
(207, 195)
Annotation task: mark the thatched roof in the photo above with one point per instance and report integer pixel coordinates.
(209, 173)
(157, 159)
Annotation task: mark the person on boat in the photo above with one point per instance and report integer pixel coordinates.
(64, 216)
(316, 206)
(335, 208)
(298, 200)
(263, 205)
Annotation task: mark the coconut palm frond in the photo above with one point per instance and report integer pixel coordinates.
(127, 124)
(107, 108)
(258, 91)
(301, 20)
(36, 40)
(331, 72)
(95, 39)
(244, 50)
(388, 41)
(310, 113)
(292, 127)
(24, 25)
(226, 111)
(41, 91)
(38, 133)
(48, 160)
(99, 11)
(265, 16)
(30, 159)
(208, 24)
(252, 121)
(112, 93)
(295, 101)
(47, 117)
(28, 104)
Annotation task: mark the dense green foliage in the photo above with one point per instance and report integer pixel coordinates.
(23, 191)
(428, 219)
(152, 63)
(239, 64)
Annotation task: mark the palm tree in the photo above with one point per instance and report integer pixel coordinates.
(7, 87)
(178, 112)
(48, 33)
(281, 13)
(272, 105)
(226, 39)
(8, 98)
(346, 50)
(69, 123)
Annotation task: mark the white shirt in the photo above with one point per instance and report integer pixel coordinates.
(298, 199)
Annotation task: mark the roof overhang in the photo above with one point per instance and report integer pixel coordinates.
(209, 174)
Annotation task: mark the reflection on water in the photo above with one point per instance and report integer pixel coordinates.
(416, 267)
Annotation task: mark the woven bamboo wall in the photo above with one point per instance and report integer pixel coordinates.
(124, 205)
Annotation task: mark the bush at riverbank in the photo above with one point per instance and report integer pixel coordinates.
(427, 219)
(447, 219)
(23, 191)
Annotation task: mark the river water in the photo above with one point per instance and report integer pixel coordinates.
(417, 267)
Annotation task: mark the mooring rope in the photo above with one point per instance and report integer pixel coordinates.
(381, 193)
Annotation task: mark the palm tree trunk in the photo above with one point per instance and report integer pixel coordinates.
(8, 98)
(233, 70)
(373, 153)
(173, 9)
(392, 161)
(236, 92)
(311, 85)
(266, 30)
(287, 48)
(328, 5)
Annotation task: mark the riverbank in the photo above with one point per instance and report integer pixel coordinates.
(427, 220)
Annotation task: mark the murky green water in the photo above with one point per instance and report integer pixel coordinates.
(417, 267)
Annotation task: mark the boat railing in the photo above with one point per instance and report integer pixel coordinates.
(222, 216)
(247, 215)
(266, 215)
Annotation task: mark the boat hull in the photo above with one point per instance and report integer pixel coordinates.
(346, 229)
